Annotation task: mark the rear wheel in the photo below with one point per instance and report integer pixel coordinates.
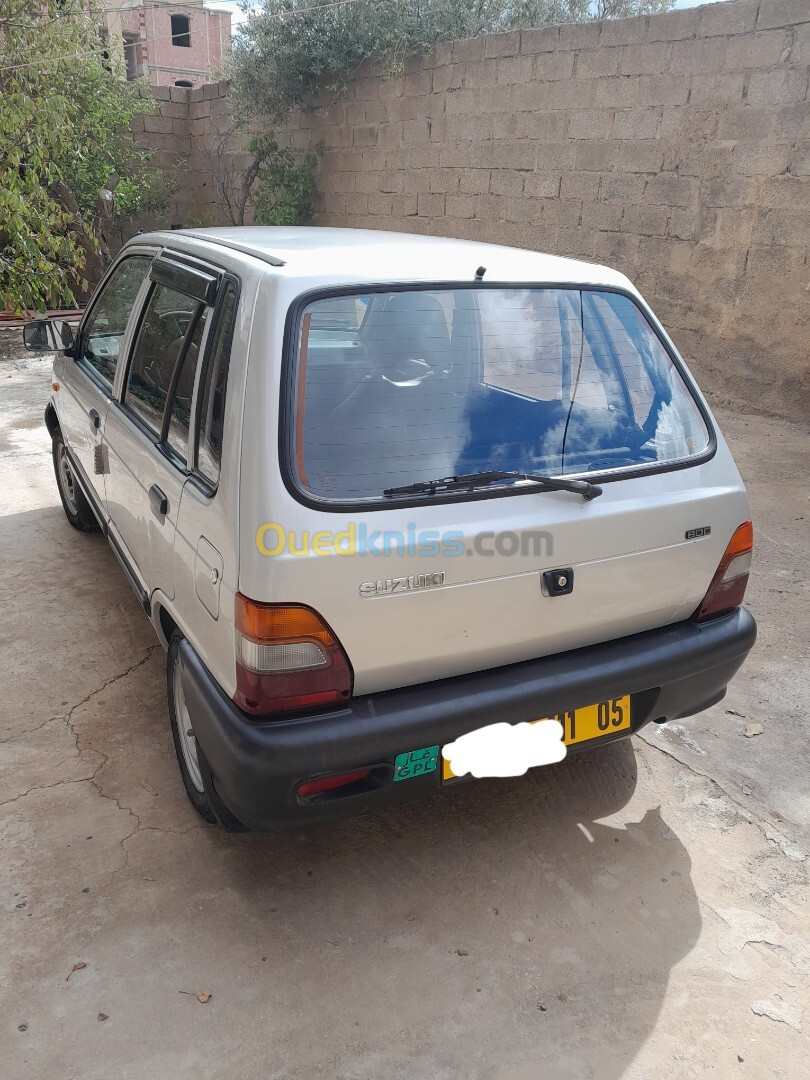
(188, 753)
(77, 508)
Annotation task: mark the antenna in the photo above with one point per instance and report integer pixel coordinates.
(479, 273)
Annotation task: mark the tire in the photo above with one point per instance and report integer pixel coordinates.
(192, 770)
(77, 509)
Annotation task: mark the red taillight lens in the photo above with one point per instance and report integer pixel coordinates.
(286, 658)
(727, 589)
(329, 783)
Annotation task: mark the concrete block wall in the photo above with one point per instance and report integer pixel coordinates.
(675, 147)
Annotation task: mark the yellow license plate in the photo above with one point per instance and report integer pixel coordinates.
(580, 725)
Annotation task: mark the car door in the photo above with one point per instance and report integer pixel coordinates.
(147, 427)
(87, 380)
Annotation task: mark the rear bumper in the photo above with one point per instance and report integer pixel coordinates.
(256, 767)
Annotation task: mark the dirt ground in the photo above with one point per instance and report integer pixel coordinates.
(638, 912)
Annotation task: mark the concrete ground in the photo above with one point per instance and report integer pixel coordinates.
(638, 912)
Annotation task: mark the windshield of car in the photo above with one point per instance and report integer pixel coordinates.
(397, 387)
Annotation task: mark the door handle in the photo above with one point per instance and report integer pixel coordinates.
(95, 419)
(158, 501)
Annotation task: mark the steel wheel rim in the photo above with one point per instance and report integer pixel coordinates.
(66, 480)
(185, 732)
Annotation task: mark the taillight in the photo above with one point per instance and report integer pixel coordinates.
(287, 658)
(727, 589)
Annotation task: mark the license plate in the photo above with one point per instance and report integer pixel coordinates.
(579, 725)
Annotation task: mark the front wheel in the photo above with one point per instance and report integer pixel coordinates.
(77, 508)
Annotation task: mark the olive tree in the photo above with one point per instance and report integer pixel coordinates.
(65, 145)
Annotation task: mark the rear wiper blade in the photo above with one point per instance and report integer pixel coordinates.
(482, 479)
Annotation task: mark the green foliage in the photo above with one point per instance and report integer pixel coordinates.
(64, 130)
(287, 48)
(285, 187)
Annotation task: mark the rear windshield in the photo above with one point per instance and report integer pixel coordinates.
(400, 387)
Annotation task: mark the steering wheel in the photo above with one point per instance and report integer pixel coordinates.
(413, 371)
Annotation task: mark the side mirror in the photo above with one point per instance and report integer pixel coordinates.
(48, 335)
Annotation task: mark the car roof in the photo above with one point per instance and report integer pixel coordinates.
(367, 255)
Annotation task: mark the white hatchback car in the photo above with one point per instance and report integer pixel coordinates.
(392, 503)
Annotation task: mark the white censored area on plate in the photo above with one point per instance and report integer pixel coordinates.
(506, 749)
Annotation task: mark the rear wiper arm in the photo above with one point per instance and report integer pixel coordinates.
(482, 479)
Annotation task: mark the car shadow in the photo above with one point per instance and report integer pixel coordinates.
(521, 933)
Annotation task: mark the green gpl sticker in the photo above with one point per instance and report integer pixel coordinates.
(416, 763)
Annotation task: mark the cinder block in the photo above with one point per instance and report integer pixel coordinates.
(601, 216)
(160, 125)
(404, 205)
(777, 87)
(748, 122)
(717, 89)
(800, 159)
(619, 92)
(787, 193)
(444, 180)
(462, 101)
(581, 35)
(590, 124)
(594, 63)
(446, 78)
(729, 191)
(211, 91)
(515, 69)
(479, 75)
(783, 13)
(672, 25)
(683, 224)
(356, 203)
(502, 44)
(551, 67)
(415, 132)
(640, 156)
(669, 189)
(598, 156)
(648, 59)
(523, 208)
(561, 212)
(702, 56)
(161, 93)
(474, 181)
(379, 204)
(722, 19)
(460, 206)
(454, 156)
(757, 159)
(636, 123)
(646, 220)
(664, 89)
(763, 48)
(544, 40)
(431, 205)
(506, 182)
(580, 185)
(467, 50)
(623, 189)
(542, 184)
(180, 94)
(624, 31)
(800, 44)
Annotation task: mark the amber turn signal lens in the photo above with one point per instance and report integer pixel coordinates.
(728, 585)
(277, 623)
(54, 386)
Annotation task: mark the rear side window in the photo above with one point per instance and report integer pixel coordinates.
(168, 317)
(212, 390)
(395, 388)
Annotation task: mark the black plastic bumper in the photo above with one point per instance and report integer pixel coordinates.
(256, 767)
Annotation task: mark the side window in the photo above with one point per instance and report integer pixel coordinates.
(104, 330)
(168, 316)
(180, 408)
(212, 390)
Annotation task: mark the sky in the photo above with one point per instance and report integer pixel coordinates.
(237, 15)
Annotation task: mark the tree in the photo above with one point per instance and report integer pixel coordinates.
(287, 47)
(65, 114)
